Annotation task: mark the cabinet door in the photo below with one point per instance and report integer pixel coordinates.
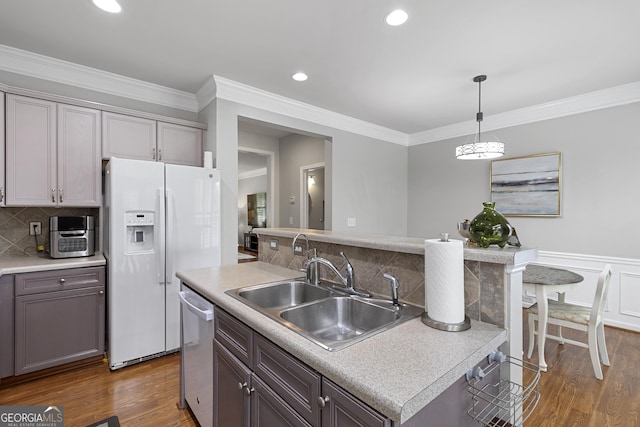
(31, 152)
(181, 145)
(2, 162)
(6, 326)
(54, 328)
(343, 410)
(128, 137)
(79, 160)
(231, 389)
(268, 409)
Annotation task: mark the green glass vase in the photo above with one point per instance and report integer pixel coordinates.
(490, 227)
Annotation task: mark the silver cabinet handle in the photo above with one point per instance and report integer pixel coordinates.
(100, 292)
(53, 195)
(60, 195)
(322, 401)
(246, 388)
(62, 280)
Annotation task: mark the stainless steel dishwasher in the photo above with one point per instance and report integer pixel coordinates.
(197, 355)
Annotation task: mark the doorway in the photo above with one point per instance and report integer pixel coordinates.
(312, 197)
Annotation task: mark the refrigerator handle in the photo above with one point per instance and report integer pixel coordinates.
(159, 235)
(171, 243)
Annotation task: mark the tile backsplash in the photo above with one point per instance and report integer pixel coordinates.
(14, 228)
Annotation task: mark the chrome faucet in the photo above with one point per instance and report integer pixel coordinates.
(311, 271)
(348, 280)
(394, 288)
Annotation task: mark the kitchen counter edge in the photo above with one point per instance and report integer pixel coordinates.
(29, 264)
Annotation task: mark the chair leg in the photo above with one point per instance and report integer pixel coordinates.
(561, 340)
(593, 351)
(602, 345)
(531, 334)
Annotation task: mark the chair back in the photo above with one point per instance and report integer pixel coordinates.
(600, 299)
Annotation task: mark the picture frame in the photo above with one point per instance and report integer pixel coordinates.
(528, 185)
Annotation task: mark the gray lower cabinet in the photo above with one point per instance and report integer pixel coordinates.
(59, 317)
(6, 326)
(258, 384)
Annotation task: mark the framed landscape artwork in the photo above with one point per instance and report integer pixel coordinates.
(527, 186)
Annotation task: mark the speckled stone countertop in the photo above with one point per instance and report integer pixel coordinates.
(27, 264)
(412, 245)
(396, 372)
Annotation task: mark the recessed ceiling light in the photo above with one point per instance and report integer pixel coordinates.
(397, 17)
(110, 6)
(299, 76)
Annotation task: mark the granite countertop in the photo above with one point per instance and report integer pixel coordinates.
(396, 372)
(412, 245)
(28, 264)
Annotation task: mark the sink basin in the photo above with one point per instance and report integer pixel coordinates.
(283, 294)
(339, 318)
(323, 315)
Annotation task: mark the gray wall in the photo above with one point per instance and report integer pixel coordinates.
(295, 151)
(599, 179)
(365, 178)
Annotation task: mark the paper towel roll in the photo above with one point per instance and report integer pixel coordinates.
(208, 160)
(444, 280)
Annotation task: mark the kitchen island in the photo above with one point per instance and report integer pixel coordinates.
(396, 372)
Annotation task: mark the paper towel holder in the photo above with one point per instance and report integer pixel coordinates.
(443, 326)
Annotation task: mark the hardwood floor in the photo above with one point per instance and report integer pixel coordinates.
(147, 394)
(572, 396)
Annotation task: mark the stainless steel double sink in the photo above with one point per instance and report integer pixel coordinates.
(322, 314)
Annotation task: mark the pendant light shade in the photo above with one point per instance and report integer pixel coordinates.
(478, 149)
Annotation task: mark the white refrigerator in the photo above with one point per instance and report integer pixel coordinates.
(160, 219)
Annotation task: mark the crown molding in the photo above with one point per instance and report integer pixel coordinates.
(597, 100)
(253, 173)
(258, 98)
(43, 67)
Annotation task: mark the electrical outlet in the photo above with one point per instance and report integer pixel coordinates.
(35, 228)
(273, 244)
(351, 222)
(297, 249)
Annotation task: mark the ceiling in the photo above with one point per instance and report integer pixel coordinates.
(410, 78)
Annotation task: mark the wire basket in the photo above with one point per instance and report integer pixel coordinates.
(505, 403)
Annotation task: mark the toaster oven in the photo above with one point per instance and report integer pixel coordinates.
(71, 236)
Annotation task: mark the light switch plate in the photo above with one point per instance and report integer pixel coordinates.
(273, 244)
(297, 249)
(351, 222)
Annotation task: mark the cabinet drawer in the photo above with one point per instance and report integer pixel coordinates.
(298, 385)
(234, 335)
(58, 280)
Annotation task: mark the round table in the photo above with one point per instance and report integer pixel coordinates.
(544, 280)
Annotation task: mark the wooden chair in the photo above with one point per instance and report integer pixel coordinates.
(586, 319)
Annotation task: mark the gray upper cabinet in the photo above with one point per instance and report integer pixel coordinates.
(52, 154)
(144, 139)
(180, 145)
(128, 137)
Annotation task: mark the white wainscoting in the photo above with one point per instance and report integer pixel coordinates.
(623, 305)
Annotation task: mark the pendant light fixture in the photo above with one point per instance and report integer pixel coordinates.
(479, 150)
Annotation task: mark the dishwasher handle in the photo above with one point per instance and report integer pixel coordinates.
(202, 314)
